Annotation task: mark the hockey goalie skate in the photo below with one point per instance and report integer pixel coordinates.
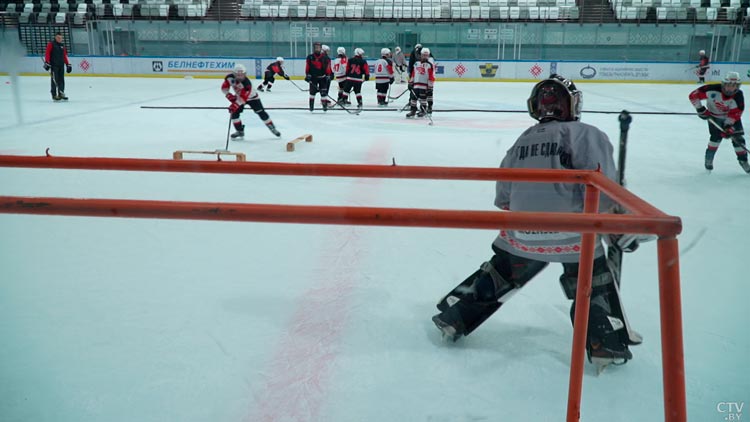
(605, 345)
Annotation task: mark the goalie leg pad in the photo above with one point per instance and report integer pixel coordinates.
(470, 303)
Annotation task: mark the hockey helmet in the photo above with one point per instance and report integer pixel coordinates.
(418, 46)
(240, 69)
(398, 49)
(555, 98)
(702, 52)
(385, 51)
(359, 52)
(425, 52)
(280, 59)
(326, 49)
(731, 83)
(341, 50)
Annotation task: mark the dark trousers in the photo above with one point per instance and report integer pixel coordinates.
(57, 80)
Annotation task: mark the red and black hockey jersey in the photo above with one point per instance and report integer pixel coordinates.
(318, 65)
(276, 68)
(356, 68)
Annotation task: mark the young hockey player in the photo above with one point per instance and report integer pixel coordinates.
(339, 72)
(703, 66)
(383, 76)
(238, 82)
(356, 69)
(520, 255)
(275, 68)
(421, 79)
(55, 60)
(399, 62)
(723, 110)
(431, 85)
(318, 75)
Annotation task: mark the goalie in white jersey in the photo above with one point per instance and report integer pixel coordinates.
(559, 141)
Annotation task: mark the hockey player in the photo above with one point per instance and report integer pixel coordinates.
(399, 62)
(520, 255)
(55, 60)
(431, 85)
(383, 76)
(414, 57)
(422, 77)
(339, 72)
(724, 106)
(275, 68)
(356, 70)
(318, 75)
(238, 82)
(703, 66)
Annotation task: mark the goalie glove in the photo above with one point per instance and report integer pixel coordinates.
(628, 242)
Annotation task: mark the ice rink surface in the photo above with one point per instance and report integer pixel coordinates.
(165, 320)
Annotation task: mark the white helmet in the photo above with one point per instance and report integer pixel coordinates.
(398, 49)
(341, 50)
(326, 49)
(702, 52)
(418, 46)
(426, 52)
(280, 59)
(731, 83)
(385, 51)
(359, 52)
(239, 68)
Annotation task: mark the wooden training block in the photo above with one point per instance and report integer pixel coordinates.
(239, 156)
(290, 145)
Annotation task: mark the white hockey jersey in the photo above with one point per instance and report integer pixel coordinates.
(422, 75)
(339, 68)
(383, 70)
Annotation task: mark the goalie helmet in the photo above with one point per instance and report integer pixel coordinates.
(280, 59)
(341, 50)
(385, 51)
(359, 52)
(555, 98)
(239, 69)
(731, 83)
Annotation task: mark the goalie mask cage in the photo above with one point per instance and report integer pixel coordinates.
(643, 219)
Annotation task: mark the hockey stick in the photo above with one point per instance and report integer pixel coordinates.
(397, 96)
(336, 103)
(716, 124)
(296, 86)
(614, 252)
(229, 128)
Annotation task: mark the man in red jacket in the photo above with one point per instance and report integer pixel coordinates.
(55, 57)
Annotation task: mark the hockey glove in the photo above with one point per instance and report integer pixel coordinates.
(308, 78)
(703, 113)
(286, 77)
(231, 97)
(47, 67)
(628, 242)
(328, 78)
(234, 107)
(392, 81)
(728, 132)
(68, 68)
(367, 76)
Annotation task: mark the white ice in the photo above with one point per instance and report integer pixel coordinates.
(166, 320)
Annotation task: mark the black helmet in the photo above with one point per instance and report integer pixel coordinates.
(555, 98)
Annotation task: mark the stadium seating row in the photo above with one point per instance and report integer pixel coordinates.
(381, 12)
(411, 3)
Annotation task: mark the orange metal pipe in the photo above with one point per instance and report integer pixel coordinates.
(672, 355)
(583, 298)
(615, 191)
(372, 216)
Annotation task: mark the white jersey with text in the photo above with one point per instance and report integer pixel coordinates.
(339, 67)
(422, 75)
(383, 70)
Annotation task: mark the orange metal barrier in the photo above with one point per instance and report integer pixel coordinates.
(645, 219)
